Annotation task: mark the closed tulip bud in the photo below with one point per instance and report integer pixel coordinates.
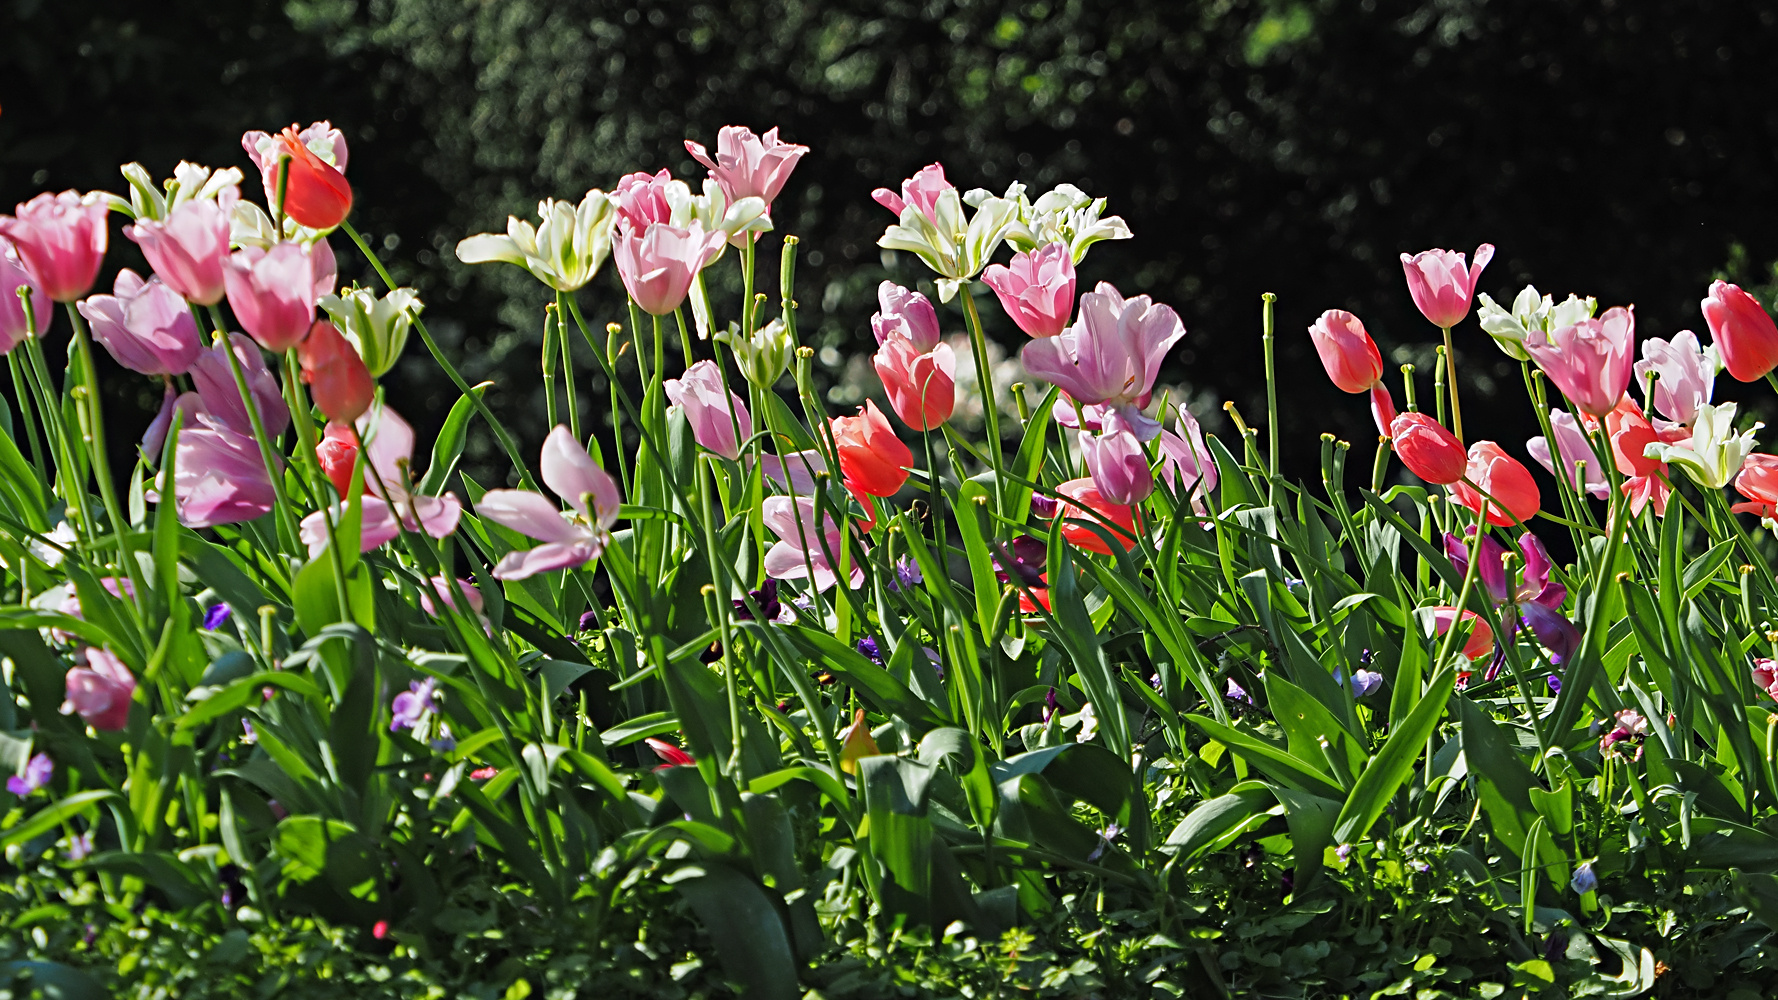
(316, 194)
(1511, 494)
(335, 374)
(1744, 334)
(764, 357)
(1036, 289)
(60, 239)
(922, 387)
(272, 293)
(1347, 351)
(1117, 463)
(376, 327)
(1439, 284)
(190, 247)
(338, 454)
(1428, 449)
(100, 692)
(1758, 482)
(873, 461)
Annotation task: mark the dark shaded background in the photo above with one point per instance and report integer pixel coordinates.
(1624, 150)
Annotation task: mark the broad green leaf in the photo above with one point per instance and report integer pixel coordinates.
(1394, 763)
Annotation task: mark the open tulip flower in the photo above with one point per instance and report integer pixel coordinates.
(873, 461)
(1064, 215)
(145, 325)
(748, 165)
(808, 546)
(1590, 360)
(569, 539)
(1036, 289)
(1758, 482)
(1532, 317)
(392, 504)
(1713, 454)
(1683, 375)
(564, 250)
(1576, 454)
(719, 420)
(931, 226)
(1528, 589)
(1645, 479)
(1111, 356)
(219, 476)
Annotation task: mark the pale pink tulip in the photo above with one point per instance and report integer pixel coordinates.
(1590, 361)
(641, 201)
(13, 276)
(1111, 355)
(1685, 375)
(61, 241)
(921, 191)
(905, 313)
(219, 476)
(1186, 463)
(1442, 288)
(803, 466)
(748, 165)
(804, 543)
(1036, 289)
(390, 505)
(190, 247)
(658, 264)
(470, 593)
(1117, 463)
(146, 325)
(719, 420)
(272, 293)
(1576, 453)
(215, 384)
(100, 691)
(569, 539)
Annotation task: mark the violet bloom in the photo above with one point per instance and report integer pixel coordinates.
(1111, 355)
(1025, 560)
(921, 191)
(1440, 285)
(1036, 289)
(80, 846)
(1575, 451)
(188, 249)
(61, 241)
(804, 543)
(37, 774)
(1236, 692)
(641, 201)
(907, 575)
(1117, 462)
(1686, 375)
(221, 397)
(1538, 598)
(748, 165)
(219, 476)
(870, 649)
(766, 599)
(272, 293)
(390, 506)
(657, 265)
(571, 538)
(100, 691)
(145, 325)
(13, 276)
(1590, 361)
(1584, 881)
(1050, 707)
(412, 705)
(719, 419)
(216, 616)
(1365, 682)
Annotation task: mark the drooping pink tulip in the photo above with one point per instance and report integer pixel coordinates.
(100, 691)
(641, 201)
(146, 325)
(657, 265)
(804, 544)
(219, 476)
(907, 314)
(61, 241)
(1504, 479)
(921, 191)
(922, 387)
(1742, 330)
(748, 165)
(1441, 286)
(215, 384)
(569, 539)
(1685, 375)
(1117, 463)
(13, 276)
(719, 419)
(1347, 351)
(272, 293)
(189, 249)
(1036, 289)
(1111, 356)
(1590, 361)
(1576, 453)
(391, 504)
(1428, 449)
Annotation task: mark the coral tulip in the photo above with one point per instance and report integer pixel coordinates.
(272, 293)
(748, 165)
(13, 277)
(189, 248)
(719, 420)
(335, 374)
(337, 452)
(922, 387)
(1511, 493)
(60, 239)
(1111, 356)
(1036, 289)
(1630, 434)
(873, 460)
(1758, 482)
(264, 149)
(1083, 496)
(316, 194)
(1590, 360)
(1347, 351)
(1439, 284)
(672, 755)
(658, 264)
(1742, 330)
(101, 691)
(1481, 640)
(145, 325)
(1428, 449)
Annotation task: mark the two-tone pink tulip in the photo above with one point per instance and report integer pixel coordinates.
(657, 265)
(1590, 360)
(189, 248)
(61, 240)
(748, 165)
(146, 325)
(1036, 288)
(272, 293)
(572, 538)
(13, 276)
(1441, 286)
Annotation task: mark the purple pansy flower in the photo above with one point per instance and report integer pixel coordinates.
(1538, 598)
(37, 773)
(411, 704)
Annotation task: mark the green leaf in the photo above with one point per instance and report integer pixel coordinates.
(52, 816)
(1393, 764)
(744, 924)
(1076, 634)
(1216, 823)
(876, 686)
(53, 979)
(447, 449)
(1278, 764)
(1503, 781)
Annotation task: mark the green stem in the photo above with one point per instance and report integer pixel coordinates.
(1451, 377)
(102, 464)
(1266, 322)
(984, 376)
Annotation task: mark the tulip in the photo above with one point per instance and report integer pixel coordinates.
(1111, 356)
(101, 691)
(60, 240)
(906, 315)
(719, 420)
(1685, 375)
(1630, 434)
(1428, 449)
(174, 406)
(749, 166)
(393, 506)
(1714, 453)
(922, 191)
(1186, 464)
(803, 466)
(1765, 676)
(145, 325)
(316, 194)
(1065, 214)
(657, 266)
(337, 451)
(1511, 494)
(1083, 496)
(673, 756)
(563, 251)
(641, 200)
(470, 594)
(922, 387)
(188, 249)
(1590, 360)
(1440, 285)
(376, 327)
(221, 397)
(572, 539)
(1117, 463)
(873, 461)
(1036, 289)
(764, 357)
(1532, 317)
(1758, 482)
(1537, 598)
(806, 546)
(219, 476)
(1741, 329)
(38, 771)
(1347, 351)
(264, 149)
(272, 293)
(335, 374)
(1576, 453)
(13, 276)
(856, 742)
(931, 226)
(1481, 640)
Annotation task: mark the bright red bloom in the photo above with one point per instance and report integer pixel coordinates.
(335, 374)
(1427, 449)
(316, 195)
(338, 454)
(673, 756)
(1481, 640)
(1085, 494)
(1741, 329)
(872, 459)
(1503, 477)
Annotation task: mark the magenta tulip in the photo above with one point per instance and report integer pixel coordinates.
(1110, 356)
(569, 539)
(215, 384)
(1442, 288)
(13, 276)
(100, 691)
(719, 420)
(190, 248)
(219, 476)
(61, 241)
(272, 293)
(145, 325)
(1589, 361)
(921, 191)
(1036, 289)
(748, 165)
(658, 264)
(905, 313)
(1742, 330)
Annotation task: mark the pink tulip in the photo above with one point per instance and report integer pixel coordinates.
(906, 314)
(1036, 289)
(749, 166)
(390, 504)
(219, 476)
(1111, 355)
(1347, 351)
(804, 544)
(272, 293)
(572, 539)
(670, 754)
(101, 691)
(1186, 464)
(188, 249)
(921, 191)
(715, 414)
(215, 384)
(1590, 361)
(1685, 375)
(470, 593)
(60, 239)
(1117, 463)
(658, 264)
(145, 325)
(802, 465)
(1575, 451)
(13, 276)
(922, 387)
(325, 267)
(1440, 285)
(1742, 331)
(641, 201)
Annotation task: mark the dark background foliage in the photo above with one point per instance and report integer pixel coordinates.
(1623, 150)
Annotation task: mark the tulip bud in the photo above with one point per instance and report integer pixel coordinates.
(764, 357)
(1037, 289)
(377, 327)
(922, 387)
(1744, 334)
(336, 376)
(338, 454)
(1347, 351)
(60, 240)
(1439, 284)
(316, 194)
(1428, 449)
(873, 460)
(272, 293)
(1515, 498)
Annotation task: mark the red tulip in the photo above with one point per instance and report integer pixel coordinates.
(872, 459)
(672, 755)
(1744, 334)
(1427, 449)
(315, 194)
(338, 454)
(1085, 494)
(1502, 477)
(335, 374)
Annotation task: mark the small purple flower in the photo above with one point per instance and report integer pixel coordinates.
(1044, 508)
(1238, 693)
(1419, 866)
(1584, 881)
(907, 574)
(445, 742)
(1365, 681)
(80, 846)
(766, 597)
(1025, 559)
(37, 773)
(216, 616)
(1107, 834)
(589, 621)
(411, 704)
(1154, 681)
(1555, 684)
(872, 652)
(937, 661)
(247, 733)
(1050, 707)
(1343, 851)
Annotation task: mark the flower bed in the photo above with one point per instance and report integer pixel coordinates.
(725, 690)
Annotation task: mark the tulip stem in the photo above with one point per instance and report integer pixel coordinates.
(1451, 377)
(289, 537)
(95, 442)
(567, 375)
(684, 336)
(24, 400)
(551, 330)
(984, 376)
(1267, 325)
